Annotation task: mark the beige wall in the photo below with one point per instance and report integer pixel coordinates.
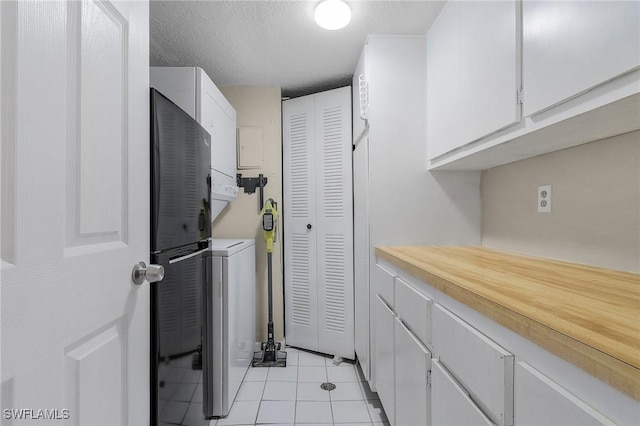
(258, 107)
(595, 216)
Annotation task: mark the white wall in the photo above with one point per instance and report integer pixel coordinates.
(258, 107)
(595, 216)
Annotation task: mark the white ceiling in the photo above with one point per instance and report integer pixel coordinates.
(275, 42)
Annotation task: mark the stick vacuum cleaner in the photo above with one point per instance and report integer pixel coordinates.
(270, 355)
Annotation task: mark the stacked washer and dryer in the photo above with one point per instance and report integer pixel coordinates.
(227, 305)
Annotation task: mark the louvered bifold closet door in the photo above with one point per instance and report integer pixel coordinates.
(299, 210)
(334, 219)
(318, 223)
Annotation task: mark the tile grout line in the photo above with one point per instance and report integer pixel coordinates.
(264, 388)
(333, 419)
(295, 401)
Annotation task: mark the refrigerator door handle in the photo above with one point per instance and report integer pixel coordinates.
(190, 255)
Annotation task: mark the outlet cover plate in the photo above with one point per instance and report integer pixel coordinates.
(544, 199)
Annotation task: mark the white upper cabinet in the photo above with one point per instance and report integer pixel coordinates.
(443, 82)
(490, 72)
(473, 73)
(571, 47)
(509, 80)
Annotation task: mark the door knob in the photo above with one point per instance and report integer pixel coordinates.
(308, 226)
(152, 273)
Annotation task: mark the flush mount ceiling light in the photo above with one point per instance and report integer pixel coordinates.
(333, 14)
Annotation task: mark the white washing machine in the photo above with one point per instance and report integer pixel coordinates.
(230, 324)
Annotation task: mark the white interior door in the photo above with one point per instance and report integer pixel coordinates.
(334, 217)
(301, 298)
(318, 221)
(75, 210)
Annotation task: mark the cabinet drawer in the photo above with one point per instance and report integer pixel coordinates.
(484, 368)
(382, 284)
(451, 404)
(415, 310)
(413, 363)
(384, 356)
(541, 401)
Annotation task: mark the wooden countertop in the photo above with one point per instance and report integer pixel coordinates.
(586, 315)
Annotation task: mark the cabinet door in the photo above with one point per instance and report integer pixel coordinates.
(361, 252)
(381, 287)
(334, 221)
(384, 355)
(485, 368)
(383, 283)
(490, 70)
(571, 47)
(443, 84)
(414, 308)
(413, 364)
(540, 401)
(450, 403)
(301, 301)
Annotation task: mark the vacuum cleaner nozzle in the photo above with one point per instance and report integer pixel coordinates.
(270, 356)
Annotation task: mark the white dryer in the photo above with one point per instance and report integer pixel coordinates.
(230, 324)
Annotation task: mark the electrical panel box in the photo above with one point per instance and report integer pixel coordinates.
(250, 154)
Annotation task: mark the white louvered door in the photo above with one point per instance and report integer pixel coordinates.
(301, 297)
(318, 221)
(334, 219)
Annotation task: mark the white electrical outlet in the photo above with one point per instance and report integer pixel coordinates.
(544, 199)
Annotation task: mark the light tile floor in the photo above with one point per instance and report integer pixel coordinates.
(291, 395)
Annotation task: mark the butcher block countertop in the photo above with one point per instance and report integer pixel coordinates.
(588, 316)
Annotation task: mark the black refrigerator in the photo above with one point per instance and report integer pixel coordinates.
(180, 239)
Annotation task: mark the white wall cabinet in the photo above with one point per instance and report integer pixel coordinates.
(473, 73)
(318, 222)
(412, 370)
(578, 68)
(571, 47)
(443, 82)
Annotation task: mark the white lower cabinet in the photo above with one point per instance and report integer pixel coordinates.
(383, 353)
(413, 366)
(382, 284)
(473, 379)
(451, 404)
(482, 366)
(541, 401)
(414, 308)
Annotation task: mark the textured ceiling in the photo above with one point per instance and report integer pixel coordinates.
(275, 42)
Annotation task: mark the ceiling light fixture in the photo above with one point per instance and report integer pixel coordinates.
(333, 14)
